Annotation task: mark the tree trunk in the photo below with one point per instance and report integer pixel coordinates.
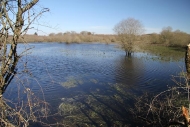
(187, 58)
(127, 54)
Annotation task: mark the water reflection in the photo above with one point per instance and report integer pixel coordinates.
(128, 71)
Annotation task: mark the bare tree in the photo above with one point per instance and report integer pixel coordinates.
(166, 35)
(178, 38)
(16, 16)
(128, 30)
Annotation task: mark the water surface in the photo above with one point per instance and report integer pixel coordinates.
(96, 77)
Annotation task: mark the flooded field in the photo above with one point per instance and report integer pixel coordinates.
(91, 84)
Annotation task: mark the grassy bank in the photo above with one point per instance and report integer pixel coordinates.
(164, 52)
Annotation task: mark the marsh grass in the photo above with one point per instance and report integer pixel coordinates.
(163, 52)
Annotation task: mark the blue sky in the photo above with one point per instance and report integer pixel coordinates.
(100, 16)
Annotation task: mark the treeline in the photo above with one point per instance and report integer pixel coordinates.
(71, 37)
(168, 37)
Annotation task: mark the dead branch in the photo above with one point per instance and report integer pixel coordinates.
(12, 20)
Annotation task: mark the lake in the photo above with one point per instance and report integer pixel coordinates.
(91, 84)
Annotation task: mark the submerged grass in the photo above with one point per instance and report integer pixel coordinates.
(72, 82)
(96, 108)
(75, 81)
(67, 109)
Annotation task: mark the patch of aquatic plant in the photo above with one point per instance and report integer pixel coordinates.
(67, 108)
(94, 81)
(72, 82)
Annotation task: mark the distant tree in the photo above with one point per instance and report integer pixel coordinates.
(166, 35)
(89, 33)
(36, 33)
(52, 34)
(67, 33)
(154, 38)
(85, 33)
(169, 37)
(180, 38)
(59, 34)
(128, 31)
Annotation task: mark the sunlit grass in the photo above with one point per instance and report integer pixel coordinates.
(163, 52)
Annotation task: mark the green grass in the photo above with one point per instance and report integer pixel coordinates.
(165, 53)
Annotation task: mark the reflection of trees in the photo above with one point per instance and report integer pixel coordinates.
(128, 71)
